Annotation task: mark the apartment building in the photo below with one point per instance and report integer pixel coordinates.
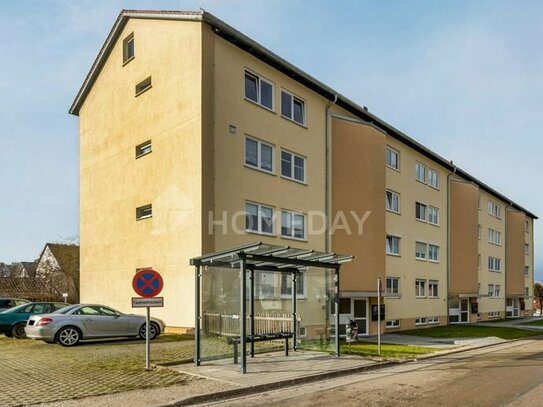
(194, 138)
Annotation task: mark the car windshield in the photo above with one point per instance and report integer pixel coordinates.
(13, 309)
(65, 310)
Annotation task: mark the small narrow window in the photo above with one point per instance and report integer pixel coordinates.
(143, 86)
(144, 212)
(143, 149)
(128, 49)
(526, 271)
(433, 215)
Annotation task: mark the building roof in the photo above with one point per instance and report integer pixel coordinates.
(67, 256)
(30, 267)
(261, 256)
(237, 38)
(30, 288)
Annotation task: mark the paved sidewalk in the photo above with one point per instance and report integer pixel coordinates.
(521, 323)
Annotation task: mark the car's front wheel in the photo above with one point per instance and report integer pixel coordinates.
(68, 336)
(154, 331)
(18, 331)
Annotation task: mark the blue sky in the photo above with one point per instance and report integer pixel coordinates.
(462, 77)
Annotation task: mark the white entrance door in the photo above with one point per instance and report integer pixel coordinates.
(360, 314)
(464, 310)
(513, 307)
(355, 309)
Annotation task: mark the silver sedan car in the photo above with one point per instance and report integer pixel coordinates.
(74, 323)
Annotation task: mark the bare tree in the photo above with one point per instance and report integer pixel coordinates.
(538, 294)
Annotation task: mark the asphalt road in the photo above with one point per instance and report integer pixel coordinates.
(509, 374)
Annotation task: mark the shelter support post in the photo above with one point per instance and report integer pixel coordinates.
(294, 300)
(252, 310)
(336, 300)
(243, 315)
(198, 276)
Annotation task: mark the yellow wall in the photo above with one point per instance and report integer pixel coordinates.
(405, 225)
(114, 183)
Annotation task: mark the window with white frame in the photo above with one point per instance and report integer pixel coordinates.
(421, 321)
(526, 249)
(491, 290)
(392, 323)
(420, 288)
(479, 261)
(292, 225)
(526, 271)
(393, 245)
(292, 166)
(494, 237)
(393, 158)
(494, 263)
(258, 154)
(479, 231)
(433, 215)
(433, 178)
(292, 107)
(433, 290)
(433, 252)
(433, 320)
(264, 285)
(420, 250)
(420, 172)
(258, 218)
(497, 288)
(392, 201)
(494, 209)
(259, 90)
(526, 292)
(420, 211)
(286, 285)
(393, 285)
(527, 226)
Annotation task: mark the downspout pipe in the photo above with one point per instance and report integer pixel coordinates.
(449, 237)
(327, 165)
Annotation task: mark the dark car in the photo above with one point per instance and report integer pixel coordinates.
(13, 320)
(7, 303)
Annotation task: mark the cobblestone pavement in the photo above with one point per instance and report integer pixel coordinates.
(37, 372)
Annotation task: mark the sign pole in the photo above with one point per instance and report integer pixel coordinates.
(378, 316)
(147, 341)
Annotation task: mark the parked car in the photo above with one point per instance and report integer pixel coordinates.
(72, 324)
(13, 320)
(7, 303)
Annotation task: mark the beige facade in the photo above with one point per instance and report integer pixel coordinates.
(183, 141)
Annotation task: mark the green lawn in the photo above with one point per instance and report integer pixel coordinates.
(536, 323)
(361, 348)
(471, 331)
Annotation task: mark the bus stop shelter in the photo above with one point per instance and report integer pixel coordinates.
(243, 283)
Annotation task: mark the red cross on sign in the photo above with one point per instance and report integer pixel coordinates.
(147, 283)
